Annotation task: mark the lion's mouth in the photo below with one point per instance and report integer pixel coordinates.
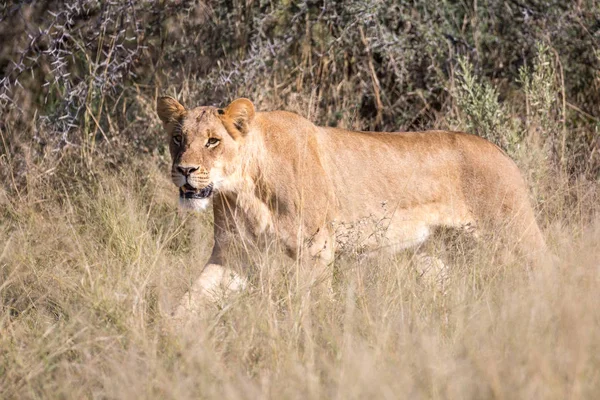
(189, 192)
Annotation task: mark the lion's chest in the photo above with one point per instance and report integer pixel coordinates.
(254, 216)
(263, 226)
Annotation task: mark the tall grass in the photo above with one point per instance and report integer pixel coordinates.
(94, 252)
(90, 270)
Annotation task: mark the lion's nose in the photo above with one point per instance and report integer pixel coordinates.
(186, 171)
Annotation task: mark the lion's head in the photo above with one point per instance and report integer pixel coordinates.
(204, 144)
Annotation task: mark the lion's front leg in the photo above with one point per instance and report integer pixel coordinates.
(214, 281)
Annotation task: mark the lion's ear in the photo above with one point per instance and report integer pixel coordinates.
(169, 109)
(238, 116)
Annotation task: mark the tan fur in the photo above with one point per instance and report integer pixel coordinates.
(320, 191)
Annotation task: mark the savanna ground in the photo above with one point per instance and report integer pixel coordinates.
(94, 251)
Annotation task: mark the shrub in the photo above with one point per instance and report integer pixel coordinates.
(82, 72)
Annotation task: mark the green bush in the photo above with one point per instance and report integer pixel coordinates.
(83, 73)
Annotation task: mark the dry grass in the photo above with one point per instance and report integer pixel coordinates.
(94, 252)
(90, 265)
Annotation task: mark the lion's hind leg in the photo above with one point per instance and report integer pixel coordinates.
(431, 270)
(516, 230)
(530, 242)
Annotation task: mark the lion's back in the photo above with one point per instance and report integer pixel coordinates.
(424, 179)
(363, 169)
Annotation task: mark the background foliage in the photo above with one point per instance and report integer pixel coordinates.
(85, 72)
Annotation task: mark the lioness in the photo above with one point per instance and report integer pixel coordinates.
(321, 190)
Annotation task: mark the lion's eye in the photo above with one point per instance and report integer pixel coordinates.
(212, 142)
(177, 140)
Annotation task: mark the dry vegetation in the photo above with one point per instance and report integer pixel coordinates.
(94, 252)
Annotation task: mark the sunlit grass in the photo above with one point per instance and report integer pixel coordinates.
(89, 275)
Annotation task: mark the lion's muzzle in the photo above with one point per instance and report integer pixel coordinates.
(193, 182)
(188, 192)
